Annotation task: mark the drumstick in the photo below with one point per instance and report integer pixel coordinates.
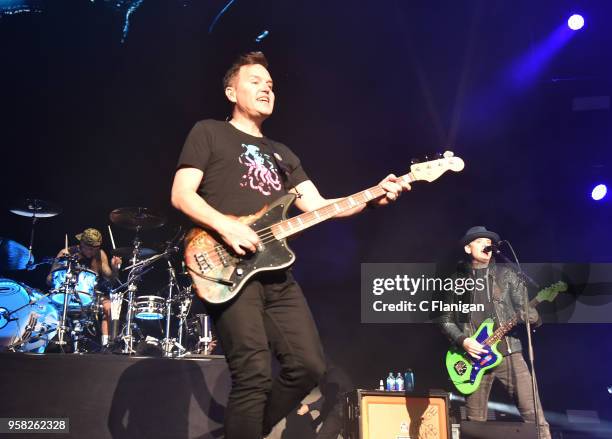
(110, 232)
(66, 243)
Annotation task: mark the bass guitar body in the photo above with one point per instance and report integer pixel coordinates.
(465, 371)
(218, 273)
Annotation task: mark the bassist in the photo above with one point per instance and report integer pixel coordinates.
(231, 168)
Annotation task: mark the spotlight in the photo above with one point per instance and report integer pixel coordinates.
(599, 192)
(575, 22)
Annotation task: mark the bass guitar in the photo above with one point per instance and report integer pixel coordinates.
(218, 273)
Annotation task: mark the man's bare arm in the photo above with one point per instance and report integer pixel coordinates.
(310, 199)
(186, 199)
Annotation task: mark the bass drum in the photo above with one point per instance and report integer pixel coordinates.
(36, 322)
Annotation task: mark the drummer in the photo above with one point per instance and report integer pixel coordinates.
(90, 255)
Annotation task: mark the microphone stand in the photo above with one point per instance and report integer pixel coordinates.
(523, 276)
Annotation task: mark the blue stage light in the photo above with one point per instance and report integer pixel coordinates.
(575, 22)
(599, 192)
(261, 36)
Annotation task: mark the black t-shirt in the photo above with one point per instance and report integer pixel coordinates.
(242, 173)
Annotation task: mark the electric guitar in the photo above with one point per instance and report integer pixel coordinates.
(466, 371)
(218, 273)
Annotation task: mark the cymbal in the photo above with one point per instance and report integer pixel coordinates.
(13, 256)
(31, 207)
(137, 218)
(128, 252)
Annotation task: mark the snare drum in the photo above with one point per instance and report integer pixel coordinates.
(36, 322)
(85, 286)
(149, 307)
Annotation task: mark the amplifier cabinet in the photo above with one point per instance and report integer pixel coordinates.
(377, 414)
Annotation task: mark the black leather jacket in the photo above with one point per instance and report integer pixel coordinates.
(508, 292)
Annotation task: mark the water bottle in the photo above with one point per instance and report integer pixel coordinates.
(390, 382)
(409, 380)
(399, 382)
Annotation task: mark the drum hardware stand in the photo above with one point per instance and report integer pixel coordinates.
(6, 314)
(184, 300)
(128, 338)
(169, 343)
(133, 277)
(207, 338)
(28, 334)
(116, 299)
(200, 325)
(148, 261)
(184, 306)
(69, 290)
(34, 220)
(76, 332)
(172, 343)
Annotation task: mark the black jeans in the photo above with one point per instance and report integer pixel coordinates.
(332, 424)
(270, 316)
(516, 378)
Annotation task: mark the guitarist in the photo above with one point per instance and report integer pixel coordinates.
(502, 295)
(231, 168)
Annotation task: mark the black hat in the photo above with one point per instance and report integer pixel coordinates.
(479, 232)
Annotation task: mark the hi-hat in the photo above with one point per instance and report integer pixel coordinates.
(137, 218)
(128, 252)
(33, 207)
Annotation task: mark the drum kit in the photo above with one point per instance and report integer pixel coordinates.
(67, 317)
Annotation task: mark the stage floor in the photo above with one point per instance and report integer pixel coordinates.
(116, 396)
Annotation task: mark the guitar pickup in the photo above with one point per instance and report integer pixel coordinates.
(486, 359)
(203, 262)
(222, 255)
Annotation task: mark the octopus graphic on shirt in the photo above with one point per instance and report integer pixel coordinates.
(260, 173)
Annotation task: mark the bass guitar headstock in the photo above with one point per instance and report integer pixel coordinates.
(432, 169)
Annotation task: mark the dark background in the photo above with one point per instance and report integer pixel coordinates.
(93, 124)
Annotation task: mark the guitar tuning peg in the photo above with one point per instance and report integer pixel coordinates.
(414, 161)
(426, 158)
(440, 155)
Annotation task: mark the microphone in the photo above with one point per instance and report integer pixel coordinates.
(493, 247)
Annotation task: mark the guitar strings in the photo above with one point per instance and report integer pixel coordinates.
(266, 238)
(266, 235)
(220, 250)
